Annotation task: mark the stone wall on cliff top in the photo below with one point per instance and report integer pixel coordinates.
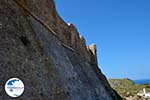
(47, 54)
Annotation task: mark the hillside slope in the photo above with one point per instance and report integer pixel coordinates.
(127, 88)
(47, 54)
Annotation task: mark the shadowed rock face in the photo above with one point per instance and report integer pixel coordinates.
(47, 54)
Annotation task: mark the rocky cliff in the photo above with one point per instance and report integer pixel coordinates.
(48, 55)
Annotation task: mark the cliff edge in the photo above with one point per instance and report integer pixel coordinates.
(48, 55)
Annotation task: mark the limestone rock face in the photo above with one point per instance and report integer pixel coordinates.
(47, 54)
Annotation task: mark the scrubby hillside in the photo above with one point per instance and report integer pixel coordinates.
(127, 88)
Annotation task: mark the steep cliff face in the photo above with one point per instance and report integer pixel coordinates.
(47, 54)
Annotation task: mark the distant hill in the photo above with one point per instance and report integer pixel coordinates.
(121, 82)
(126, 87)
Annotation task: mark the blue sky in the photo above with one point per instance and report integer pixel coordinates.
(121, 30)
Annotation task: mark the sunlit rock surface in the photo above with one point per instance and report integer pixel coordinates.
(47, 54)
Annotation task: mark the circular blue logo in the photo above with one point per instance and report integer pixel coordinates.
(14, 87)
